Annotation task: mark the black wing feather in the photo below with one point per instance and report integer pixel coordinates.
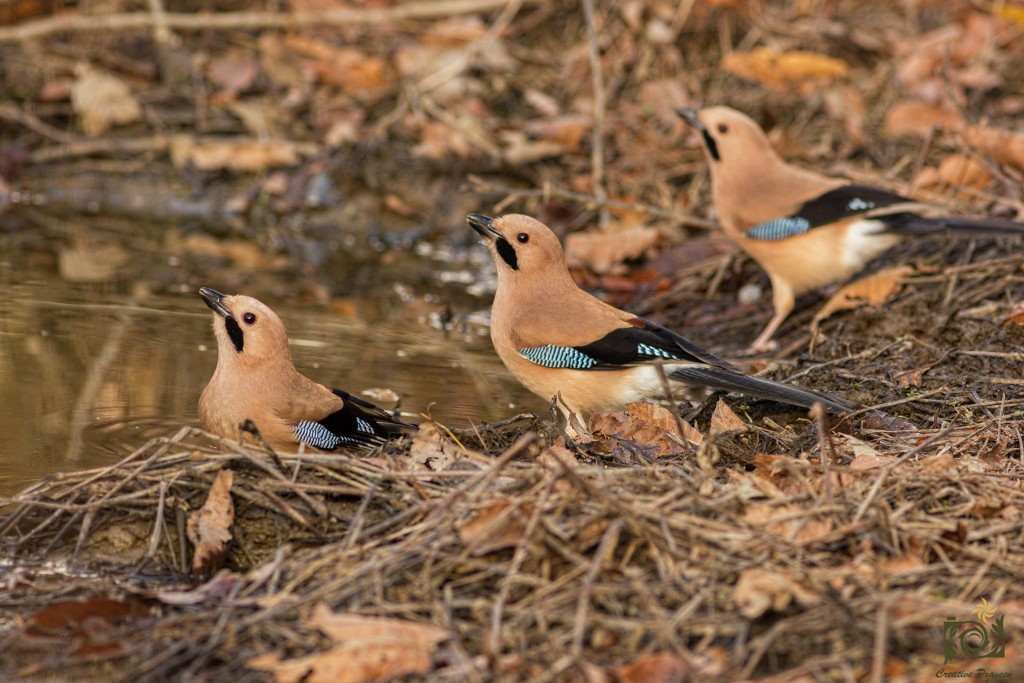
(623, 346)
(851, 200)
(351, 422)
(846, 202)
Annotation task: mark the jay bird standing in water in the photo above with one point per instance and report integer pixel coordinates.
(557, 339)
(255, 380)
(805, 229)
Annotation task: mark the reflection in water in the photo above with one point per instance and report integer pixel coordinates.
(82, 384)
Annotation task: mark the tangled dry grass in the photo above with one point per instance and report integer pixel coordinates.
(781, 549)
(537, 562)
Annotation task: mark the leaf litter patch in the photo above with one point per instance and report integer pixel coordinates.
(515, 553)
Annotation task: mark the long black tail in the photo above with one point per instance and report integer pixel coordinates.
(716, 378)
(909, 224)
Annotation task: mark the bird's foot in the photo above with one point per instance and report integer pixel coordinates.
(761, 346)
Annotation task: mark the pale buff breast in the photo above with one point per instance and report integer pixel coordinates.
(822, 256)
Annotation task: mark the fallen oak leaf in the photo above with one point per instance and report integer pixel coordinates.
(725, 419)
(431, 450)
(243, 156)
(103, 101)
(656, 667)
(352, 629)
(647, 424)
(789, 522)
(794, 71)
(605, 249)
(919, 118)
(209, 529)
(759, 591)
(501, 524)
(958, 171)
(369, 649)
(874, 289)
(1004, 146)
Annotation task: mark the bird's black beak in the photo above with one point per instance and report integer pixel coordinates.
(215, 300)
(484, 225)
(691, 117)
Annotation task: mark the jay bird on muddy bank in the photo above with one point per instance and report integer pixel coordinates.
(255, 380)
(805, 229)
(557, 339)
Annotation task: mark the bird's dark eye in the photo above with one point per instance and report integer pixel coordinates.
(249, 318)
(722, 128)
(523, 238)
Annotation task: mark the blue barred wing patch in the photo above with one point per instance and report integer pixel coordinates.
(551, 356)
(779, 228)
(653, 351)
(316, 435)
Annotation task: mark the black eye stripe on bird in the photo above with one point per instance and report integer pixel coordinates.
(235, 334)
(262, 387)
(507, 253)
(557, 339)
(805, 229)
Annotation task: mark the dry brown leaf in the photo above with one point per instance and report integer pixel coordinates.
(454, 32)
(656, 667)
(519, 149)
(789, 522)
(346, 664)
(242, 254)
(910, 378)
(566, 131)
(346, 67)
(431, 450)
(865, 456)
(796, 71)
(899, 566)
(353, 628)
(103, 101)
(956, 171)
(942, 462)
(371, 649)
(557, 455)
(234, 72)
(647, 424)
(86, 261)
(247, 156)
(725, 419)
(918, 118)
(500, 525)
(438, 140)
(353, 71)
(759, 591)
(1004, 146)
(606, 249)
(209, 529)
(874, 290)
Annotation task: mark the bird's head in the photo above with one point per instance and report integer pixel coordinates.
(729, 134)
(245, 328)
(522, 247)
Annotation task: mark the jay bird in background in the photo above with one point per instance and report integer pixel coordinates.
(255, 380)
(557, 339)
(805, 229)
